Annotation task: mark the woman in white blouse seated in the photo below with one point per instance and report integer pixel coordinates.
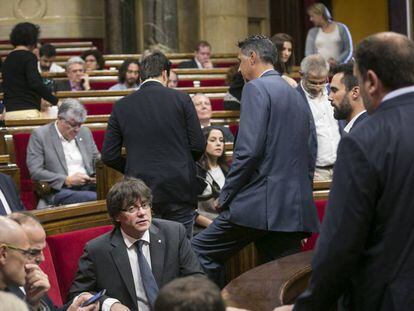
(329, 38)
(211, 171)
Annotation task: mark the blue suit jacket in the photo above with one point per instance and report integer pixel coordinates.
(268, 186)
(366, 246)
(9, 190)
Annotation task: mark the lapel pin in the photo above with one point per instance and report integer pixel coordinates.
(80, 138)
(159, 241)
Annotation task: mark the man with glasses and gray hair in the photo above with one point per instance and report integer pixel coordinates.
(63, 154)
(138, 257)
(78, 79)
(325, 130)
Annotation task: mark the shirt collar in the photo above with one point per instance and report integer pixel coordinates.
(308, 95)
(350, 124)
(199, 65)
(151, 80)
(398, 92)
(130, 241)
(267, 70)
(63, 139)
(75, 86)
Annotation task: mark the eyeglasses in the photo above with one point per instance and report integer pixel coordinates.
(28, 253)
(74, 124)
(316, 83)
(134, 208)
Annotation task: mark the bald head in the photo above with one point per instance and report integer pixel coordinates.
(13, 244)
(35, 233)
(390, 56)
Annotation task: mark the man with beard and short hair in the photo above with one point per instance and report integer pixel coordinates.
(47, 55)
(346, 98)
(128, 76)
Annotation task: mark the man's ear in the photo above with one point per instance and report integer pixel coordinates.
(252, 57)
(355, 92)
(164, 76)
(373, 83)
(3, 255)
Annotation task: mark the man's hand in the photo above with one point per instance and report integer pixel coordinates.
(76, 305)
(217, 206)
(77, 179)
(284, 308)
(119, 307)
(85, 84)
(37, 284)
(44, 105)
(208, 64)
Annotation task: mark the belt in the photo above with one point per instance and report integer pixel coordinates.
(327, 167)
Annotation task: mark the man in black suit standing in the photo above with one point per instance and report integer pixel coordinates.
(201, 58)
(160, 130)
(345, 97)
(138, 257)
(365, 252)
(9, 197)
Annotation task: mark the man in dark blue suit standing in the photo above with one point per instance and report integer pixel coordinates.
(365, 252)
(9, 196)
(267, 197)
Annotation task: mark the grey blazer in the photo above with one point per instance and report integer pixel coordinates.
(45, 157)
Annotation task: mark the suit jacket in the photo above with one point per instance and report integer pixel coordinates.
(366, 246)
(268, 186)
(188, 64)
(105, 263)
(9, 190)
(160, 130)
(46, 159)
(45, 300)
(358, 120)
(313, 140)
(62, 85)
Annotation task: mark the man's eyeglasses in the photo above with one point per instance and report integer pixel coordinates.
(134, 208)
(73, 124)
(29, 253)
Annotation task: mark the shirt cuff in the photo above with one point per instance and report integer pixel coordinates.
(108, 302)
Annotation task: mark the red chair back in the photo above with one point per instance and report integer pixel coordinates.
(311, 242)
(98, 108)
(49, 268)
(66, 249)
(98, 137)
(217, 104)
(27, 195)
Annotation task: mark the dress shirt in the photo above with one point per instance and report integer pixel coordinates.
(398, 92)
(327, 129)
(53, 68)
(199, 65)
(217, 175)
(75, 86)
(350, 124)
(73, 157)
(133, 261)
(122, 86)
(5, 203)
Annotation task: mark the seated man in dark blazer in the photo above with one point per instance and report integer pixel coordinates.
(201, 58)
(63, 154)
(9, 196)
(138, 256)
(78, 79)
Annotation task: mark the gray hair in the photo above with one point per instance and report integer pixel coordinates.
(74, 60)
(72, 109)
(262, 46)
(314, 64)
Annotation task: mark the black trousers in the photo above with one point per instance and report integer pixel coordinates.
(221, 239)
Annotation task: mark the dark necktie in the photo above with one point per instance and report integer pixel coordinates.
(148, 280)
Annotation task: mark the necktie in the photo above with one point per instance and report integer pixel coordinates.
(148, 280)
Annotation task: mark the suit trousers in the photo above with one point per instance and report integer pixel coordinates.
(221, 239)
(181, 212)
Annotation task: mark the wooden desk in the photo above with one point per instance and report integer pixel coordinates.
(270, 285)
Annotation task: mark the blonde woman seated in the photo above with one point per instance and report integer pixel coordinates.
(211, 171)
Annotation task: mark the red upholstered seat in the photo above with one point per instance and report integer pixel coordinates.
(102, 85)
(97, 108)
(217, 104)
(311, 242)
(66, 249)
(49, 268)
(27, 194)
(98, 137)
(234, 128)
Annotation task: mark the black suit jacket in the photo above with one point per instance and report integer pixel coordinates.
(358, 121)
(45, 301)
(9, 190)
(161, 132)
(366, 247)
(105, 263)
(188, 64)
(61, 85)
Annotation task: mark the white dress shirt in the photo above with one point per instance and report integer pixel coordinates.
(5, 203)
(327, 129)
(350, 124)
(73, 157)
(133, 261)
